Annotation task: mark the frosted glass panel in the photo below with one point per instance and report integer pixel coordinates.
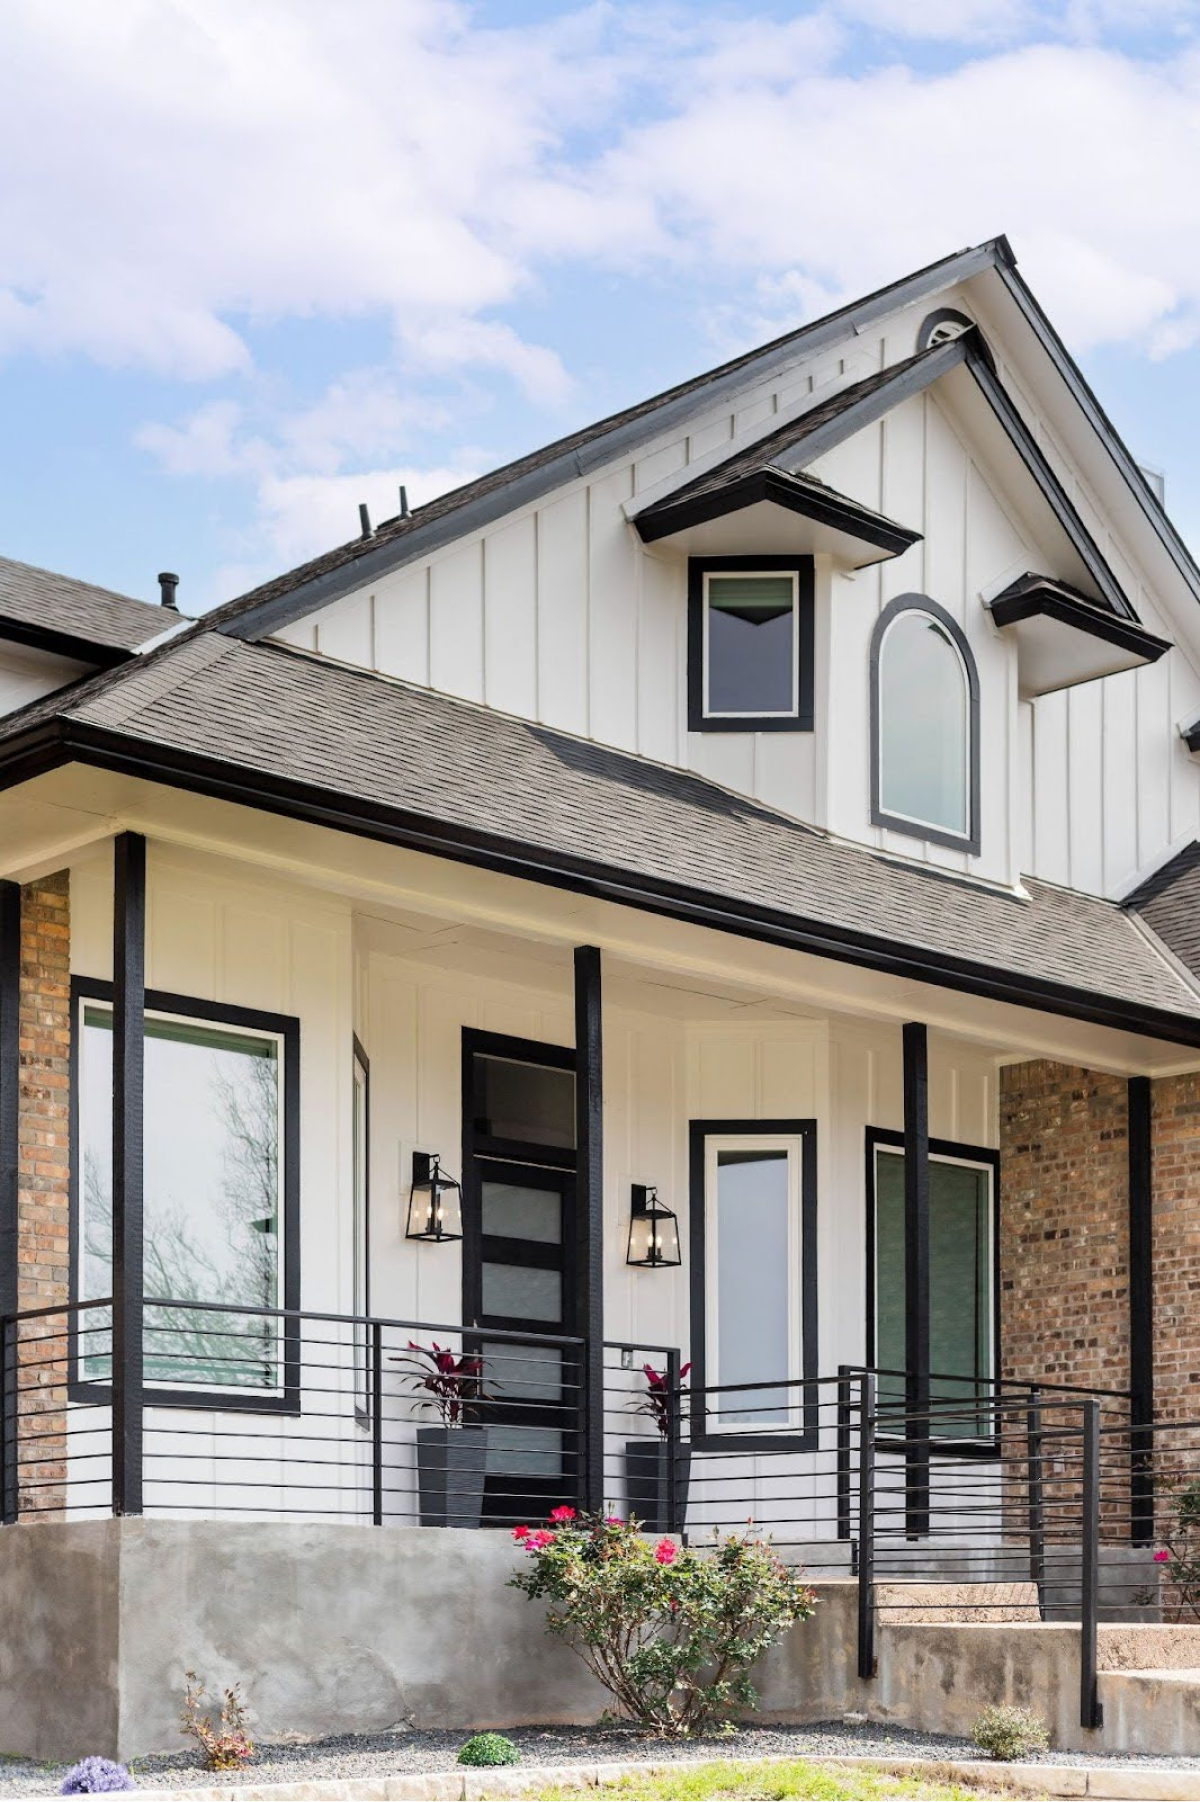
(751, 627)
(515, 1212)
(924, 725)
(516, 1293)
(753, 1282)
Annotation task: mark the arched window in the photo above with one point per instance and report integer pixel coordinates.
(924, 725)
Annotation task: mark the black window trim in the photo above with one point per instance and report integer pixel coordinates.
(286, 1027)
(802, 719)
(989, 1157)
(968, 841)
(699, 1131)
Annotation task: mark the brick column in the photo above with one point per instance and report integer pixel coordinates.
(44, 1188)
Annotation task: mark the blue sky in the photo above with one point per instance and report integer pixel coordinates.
(261, 259)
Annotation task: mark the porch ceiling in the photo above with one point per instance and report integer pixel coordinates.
(455, 912)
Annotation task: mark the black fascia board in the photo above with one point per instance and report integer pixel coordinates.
(63, 644)
(380, 559)
(62, 741)
(1191, 736)
(767, 484)
(1053, 602)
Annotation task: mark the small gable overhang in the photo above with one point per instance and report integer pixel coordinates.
(1064, 637)
(775, 511)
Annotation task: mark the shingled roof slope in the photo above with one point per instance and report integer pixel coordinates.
(44, 600)
(1169, 903)
(477, 775)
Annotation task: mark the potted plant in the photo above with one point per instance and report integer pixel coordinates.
(452, 1456)
(659, 1504)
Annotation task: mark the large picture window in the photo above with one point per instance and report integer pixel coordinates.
(925, 726)
(750, 644)
(753, 1209)
(219, 1186)
(962, 1280)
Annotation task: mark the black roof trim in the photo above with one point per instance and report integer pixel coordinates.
(62, 644)
(1191, 735)
(397, 541)
(797, 493)
(61, 740)
(1031, 595)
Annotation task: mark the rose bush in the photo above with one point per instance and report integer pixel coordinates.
(670, 1631)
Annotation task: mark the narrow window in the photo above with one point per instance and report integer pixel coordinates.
(750, 645)
(215, 1179)
(924, 715)
(754, 1255)
(961, 1283)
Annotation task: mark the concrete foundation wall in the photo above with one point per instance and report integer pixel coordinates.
(348, 1628)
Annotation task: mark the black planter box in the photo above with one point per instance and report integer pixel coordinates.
(648, 1484)
(451, 1466)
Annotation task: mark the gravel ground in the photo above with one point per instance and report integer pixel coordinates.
(381, 1754)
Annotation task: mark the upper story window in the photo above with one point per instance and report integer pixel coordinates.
(750, 644)
(924, 725)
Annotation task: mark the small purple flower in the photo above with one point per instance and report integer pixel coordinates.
(96, 1777)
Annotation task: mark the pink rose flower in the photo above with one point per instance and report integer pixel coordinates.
(666, 1552)
(520, 1533)
(537, 1542)
(563, 1513)
(613, 1520)
(1162, 1557)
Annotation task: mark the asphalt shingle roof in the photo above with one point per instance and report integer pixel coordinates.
(461, 766)
(1169, 902)
(42, 599)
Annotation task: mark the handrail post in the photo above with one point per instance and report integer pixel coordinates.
(674, 1404)
(1091, 1714)
(843, 1451)
(1036, 1497)
(866, 1527)
(377, 1423)
(10, 1495)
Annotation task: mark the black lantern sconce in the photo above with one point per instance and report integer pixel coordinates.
(434, 1202)
(653, 1231)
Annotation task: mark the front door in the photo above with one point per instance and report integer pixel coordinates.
(518, 1267)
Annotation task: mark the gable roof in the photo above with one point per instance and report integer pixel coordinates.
(1169, 903)
(270, 726)
(74, 619)
(449, 516)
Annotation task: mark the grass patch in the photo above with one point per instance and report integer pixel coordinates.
(798, 1779)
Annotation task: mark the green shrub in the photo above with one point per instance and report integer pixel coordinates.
(489, 1748)
(671, 1632)
(1009, 1733)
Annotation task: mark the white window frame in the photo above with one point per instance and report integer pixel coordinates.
(750, 575)
(958, 833)
(246, 1393)
(793, 1145)
(989, 1170)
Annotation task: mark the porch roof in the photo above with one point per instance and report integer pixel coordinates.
(53, 612)
(270, 726)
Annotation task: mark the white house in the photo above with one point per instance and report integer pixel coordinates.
(719, 890)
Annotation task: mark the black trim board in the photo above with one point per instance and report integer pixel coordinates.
(802, 719)
(62, 741)
(792, 492)
(1029, 600)
(64, 644)
(287, 1028)
(938, 1148)
(699, 1131)
(969, 841)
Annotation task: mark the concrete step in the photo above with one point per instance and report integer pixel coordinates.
(1155, 1711)
(1146, 1647)
(955, 1604)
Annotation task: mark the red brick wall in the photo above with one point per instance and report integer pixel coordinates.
(1176, 1141)
(44, 1196)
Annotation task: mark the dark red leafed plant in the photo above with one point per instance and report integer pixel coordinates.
(451, 1378)
(658, 1399)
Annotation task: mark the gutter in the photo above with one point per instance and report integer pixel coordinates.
(59, 742)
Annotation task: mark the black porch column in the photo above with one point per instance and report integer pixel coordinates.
(1141, 1311)
(10, 1093)
(129, 1022)
(589, 1214)
(916, 1279)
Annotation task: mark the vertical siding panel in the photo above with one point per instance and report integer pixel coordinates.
(456, 623)
(253, 959)
(662, 605)
(710, 437)
(1119, 713)
(1153, 685)
(613, 550)
(1023, 802)
(510, 616)
(1051, 812)
(402, 624)
(562, 613)
(726, 1079)
(1086, 788)
(344, 630)
(945, 513)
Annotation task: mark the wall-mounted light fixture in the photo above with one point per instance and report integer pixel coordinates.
(653, 1230)
(434, 1201)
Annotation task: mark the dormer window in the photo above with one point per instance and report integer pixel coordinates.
(750, 639)
(924, 725)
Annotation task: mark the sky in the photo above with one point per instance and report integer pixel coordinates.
(261, 260)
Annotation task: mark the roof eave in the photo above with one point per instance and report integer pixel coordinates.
(63, 644)
(826, 507)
